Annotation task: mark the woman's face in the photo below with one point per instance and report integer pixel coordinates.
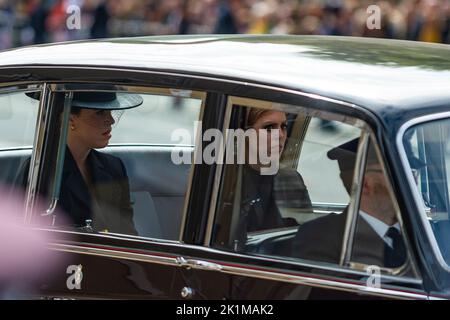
(91, 127)
(272, 120)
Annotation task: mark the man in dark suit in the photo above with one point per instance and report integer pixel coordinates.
(377, 239)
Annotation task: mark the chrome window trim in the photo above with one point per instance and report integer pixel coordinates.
(110, 235)
(187, 197)
(37, 152)
(410, 179)
(74, 86)
(218, 175)
(203, 249)
(180, 74)
(113, 254)
(239, 270)
(355, 197)
(322, 283)
(20, 87)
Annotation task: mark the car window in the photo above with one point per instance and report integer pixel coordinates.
(326, 189)
(297, 211)
(301, 210)
(379, 238)
(137, 148)
(18, 117)
(427, 150)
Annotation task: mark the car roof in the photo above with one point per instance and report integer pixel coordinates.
(379, 74)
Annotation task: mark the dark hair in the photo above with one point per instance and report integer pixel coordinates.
(75, 110)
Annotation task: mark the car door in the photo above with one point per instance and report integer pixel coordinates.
(201, 262)
(155, 142)
(265, 263)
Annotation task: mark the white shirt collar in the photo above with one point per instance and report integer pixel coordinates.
(379, 226)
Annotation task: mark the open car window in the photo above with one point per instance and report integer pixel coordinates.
(379, 236)
(138, 167)
(271, 214)
(315, 200)
(18, 118)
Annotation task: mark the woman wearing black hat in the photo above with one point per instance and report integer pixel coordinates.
(94, 187)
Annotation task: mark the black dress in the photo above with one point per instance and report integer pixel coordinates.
(262, 196)
(106, 202)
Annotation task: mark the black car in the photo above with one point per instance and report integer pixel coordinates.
(365, 125)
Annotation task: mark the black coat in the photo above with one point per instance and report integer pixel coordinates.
(107, 202)
(260, 199)
(263, 197)
(321, 240)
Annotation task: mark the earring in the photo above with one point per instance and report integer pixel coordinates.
(72, 127)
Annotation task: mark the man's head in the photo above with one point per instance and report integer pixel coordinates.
(375, 197)
(345, 154)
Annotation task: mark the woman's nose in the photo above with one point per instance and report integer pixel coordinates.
(111, 119)
(283, 135)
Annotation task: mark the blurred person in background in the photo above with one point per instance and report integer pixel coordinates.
(6, 23)
(431, 25)
(428, 21)
(185, 23)
(56, 22)
(262, 13)
(226, 21)
(25, 260)
(39, 10)
(100, 15)
(38, 21)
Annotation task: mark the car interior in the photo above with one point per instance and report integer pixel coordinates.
(304, 134)
(157, 198)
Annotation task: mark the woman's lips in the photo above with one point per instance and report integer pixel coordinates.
(107, 133)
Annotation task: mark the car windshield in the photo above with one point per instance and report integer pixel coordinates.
(427, 146)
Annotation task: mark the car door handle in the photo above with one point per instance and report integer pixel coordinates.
(198, 264)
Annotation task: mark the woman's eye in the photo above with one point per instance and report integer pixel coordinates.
(271, 126)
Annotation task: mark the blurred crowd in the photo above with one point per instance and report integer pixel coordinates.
(24, 22)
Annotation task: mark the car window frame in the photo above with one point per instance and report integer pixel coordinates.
(38, 138)
(362, 155)
(412, 185)
(61, 87)
(346, 264)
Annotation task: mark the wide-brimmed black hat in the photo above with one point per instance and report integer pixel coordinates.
(101, 100)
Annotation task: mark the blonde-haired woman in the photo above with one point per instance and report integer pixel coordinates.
(262, 196)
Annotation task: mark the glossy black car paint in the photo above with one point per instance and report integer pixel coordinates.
(265, 79)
